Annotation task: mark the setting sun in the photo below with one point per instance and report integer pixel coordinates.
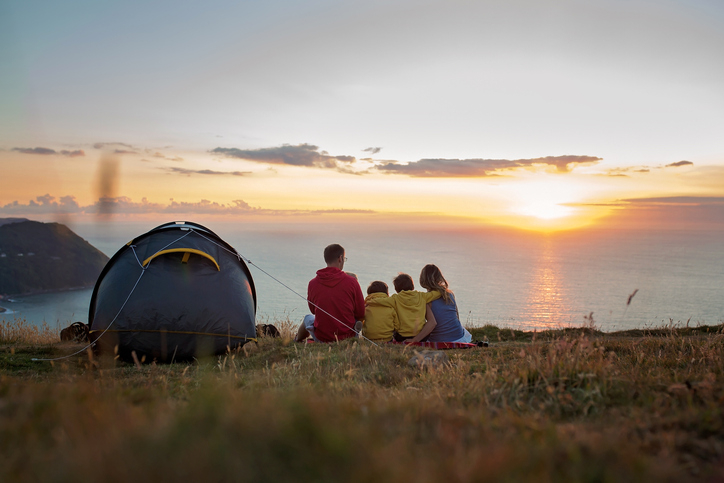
(545, 210)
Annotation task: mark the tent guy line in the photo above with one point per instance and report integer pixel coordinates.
(143, 271)
(246, 260)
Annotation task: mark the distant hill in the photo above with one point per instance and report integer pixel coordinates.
(7, 221)
(43, 257)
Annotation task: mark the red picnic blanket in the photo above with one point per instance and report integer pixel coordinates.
(430, 345)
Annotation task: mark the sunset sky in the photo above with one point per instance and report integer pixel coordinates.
(534, 114)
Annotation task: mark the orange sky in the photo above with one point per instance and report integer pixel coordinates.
(535, 114)
(143, 182)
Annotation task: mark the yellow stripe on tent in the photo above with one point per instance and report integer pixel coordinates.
(187, 252)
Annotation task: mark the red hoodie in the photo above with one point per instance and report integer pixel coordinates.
(335, 292)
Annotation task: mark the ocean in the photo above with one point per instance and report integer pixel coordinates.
(500, 277)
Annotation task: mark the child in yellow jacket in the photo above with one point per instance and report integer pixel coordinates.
(380, 320)
(410, 307)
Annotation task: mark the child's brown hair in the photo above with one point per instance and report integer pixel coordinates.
(378, 287)
(403, 282)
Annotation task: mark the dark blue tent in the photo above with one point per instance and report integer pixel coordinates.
(174, 293)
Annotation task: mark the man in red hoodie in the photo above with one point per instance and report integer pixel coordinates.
(335, 300)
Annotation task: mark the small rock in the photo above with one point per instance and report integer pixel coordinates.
(428, 359)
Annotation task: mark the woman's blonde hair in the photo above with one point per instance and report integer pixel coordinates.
(431, 279)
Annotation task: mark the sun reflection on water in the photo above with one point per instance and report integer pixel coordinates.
(547, 304)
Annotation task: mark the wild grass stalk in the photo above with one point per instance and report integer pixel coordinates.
(19, 331)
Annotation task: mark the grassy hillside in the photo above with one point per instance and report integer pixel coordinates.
(45, 257)
(568, 406)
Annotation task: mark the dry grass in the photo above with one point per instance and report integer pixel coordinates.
(581, 406)
(19, 331)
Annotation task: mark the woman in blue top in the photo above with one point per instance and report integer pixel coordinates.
(445, 310)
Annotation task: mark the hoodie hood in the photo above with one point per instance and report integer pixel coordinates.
(331, 276)
(375, 295)
(410, 299)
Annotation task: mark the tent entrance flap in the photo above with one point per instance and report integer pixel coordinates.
(187, 253)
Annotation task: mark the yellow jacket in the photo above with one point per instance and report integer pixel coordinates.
(380, 320)
(410, 306)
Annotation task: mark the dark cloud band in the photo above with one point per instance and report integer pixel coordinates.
(120, 146)
(300, 155)
(189, 172)
(50, 152)
(309, 155)
(446, 168)
(677, 200)
(679, 164)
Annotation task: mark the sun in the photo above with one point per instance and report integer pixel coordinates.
(547, 203)
(545, 210)
(544, 199)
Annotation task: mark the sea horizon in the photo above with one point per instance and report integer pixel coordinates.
(500, 277)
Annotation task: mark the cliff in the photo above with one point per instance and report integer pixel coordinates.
(43, 257)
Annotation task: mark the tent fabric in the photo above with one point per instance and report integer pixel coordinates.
(195, 298)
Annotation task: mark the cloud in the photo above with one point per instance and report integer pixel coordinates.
(309, 155)
(160, 155)
(660, 201)
(342, 211)
(562, 163)
(621, 172)
(44, 151)
(679, 163)
(372, 150)
(113, 145)
(677, 200)
(189, 172)
(42, 205)
(47, 204)
(124, 205)
(124, 151)
(48, 152)
(666, 212)
(447, 168)
(210, 207)
(73, 154)
(300, 155)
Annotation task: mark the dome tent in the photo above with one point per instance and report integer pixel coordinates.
(174, 293)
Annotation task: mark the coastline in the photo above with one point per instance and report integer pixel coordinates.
(54, 290)
(54, 307)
